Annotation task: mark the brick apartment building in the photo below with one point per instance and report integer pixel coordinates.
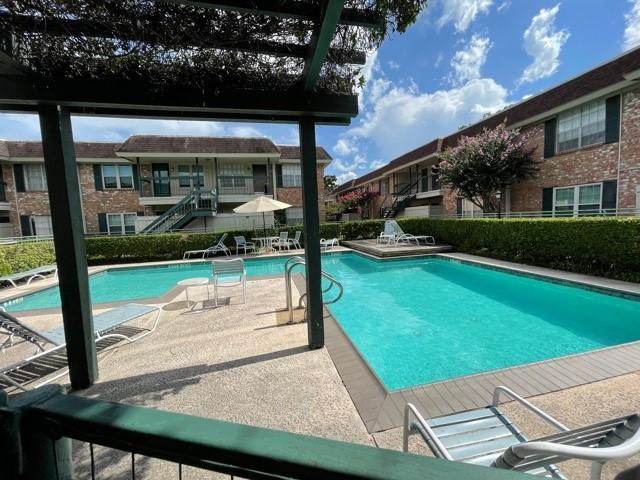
(157, 183)
(586, 134)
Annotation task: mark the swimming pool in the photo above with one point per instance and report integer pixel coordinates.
(421, 320)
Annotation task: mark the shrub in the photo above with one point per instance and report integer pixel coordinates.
(25, 256)
(608, 247)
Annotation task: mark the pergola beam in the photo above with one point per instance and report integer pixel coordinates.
(320, 43)
(83, 28)
(289, 9)
(113, 98)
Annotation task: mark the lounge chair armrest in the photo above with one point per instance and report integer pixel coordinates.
(426, 432)
(513, 395)
(601, 454)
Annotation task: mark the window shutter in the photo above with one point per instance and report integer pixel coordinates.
(136, 176)
(279, 176)
(25, 225)
(18, 174)
(102, 223)
(612, 122)
(97, 176)
(547, 200)
(459, 206)
(550, 137)
(609, 194)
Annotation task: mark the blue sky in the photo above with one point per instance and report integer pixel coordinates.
(461, 59)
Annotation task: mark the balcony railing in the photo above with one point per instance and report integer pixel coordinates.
(244, 185)
(38, 430)
(172, 186)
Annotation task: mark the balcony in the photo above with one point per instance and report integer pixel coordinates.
(237, 188)
(158, 190)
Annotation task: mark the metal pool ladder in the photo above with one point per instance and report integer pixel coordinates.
(289, 265)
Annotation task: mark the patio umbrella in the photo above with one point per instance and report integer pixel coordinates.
(261, 204)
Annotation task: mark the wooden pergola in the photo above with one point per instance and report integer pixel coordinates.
(29, 82)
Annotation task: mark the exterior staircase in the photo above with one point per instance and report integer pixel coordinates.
(402, 200)
(199, 203)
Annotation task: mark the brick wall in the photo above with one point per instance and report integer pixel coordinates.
(111, 201)
(630, 152)
(293, 195)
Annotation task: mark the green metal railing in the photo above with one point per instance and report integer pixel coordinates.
(36, 429)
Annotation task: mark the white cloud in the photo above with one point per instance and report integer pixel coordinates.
(632, 26)
(344, 147)
(504, 5)
(377, 164)
(543, 42)
(345, 177)
(439, 60)
(402, 117)
(393, 65)
(468, 62)
(462, 13)
(245, 131)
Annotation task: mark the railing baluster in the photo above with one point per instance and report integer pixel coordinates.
(133, 466)
(93, 462)
(55, 458)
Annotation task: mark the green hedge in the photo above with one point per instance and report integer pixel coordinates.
(25, 256)
(608, 247)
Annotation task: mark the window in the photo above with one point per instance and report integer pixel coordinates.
(578, 200)
(190, 175)
(34, 177)
(121, 223)
(435, 181)
(384, 186)
(582, 126)
(41, 225)
(117, 176)
(291, 176)
(294, 215)
(233, 175)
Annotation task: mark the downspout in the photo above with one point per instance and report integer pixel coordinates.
(619, 154)
(15, 196)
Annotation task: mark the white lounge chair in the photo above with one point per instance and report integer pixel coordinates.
(282, 241)
(328, 244)
(12, 327)
(393, 235)
(241, 242)
(212, 250)
(295, 241)
(229, 273)
(487, 437)
(30, 275)
(51, 360)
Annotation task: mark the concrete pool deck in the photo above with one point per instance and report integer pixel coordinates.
(235, 363)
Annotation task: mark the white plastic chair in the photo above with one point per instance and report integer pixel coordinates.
(241, 242)
(283, 241)
(228, 273)
(295, 241)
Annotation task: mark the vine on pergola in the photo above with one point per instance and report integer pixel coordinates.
(168, 43)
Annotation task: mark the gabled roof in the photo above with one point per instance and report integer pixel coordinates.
(611, 73)
(292, 152)
(33, 149)
(210, 145)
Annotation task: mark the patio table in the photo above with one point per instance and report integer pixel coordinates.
(265, 243)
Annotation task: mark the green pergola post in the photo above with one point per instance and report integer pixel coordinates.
(68, 237)
(308, 161)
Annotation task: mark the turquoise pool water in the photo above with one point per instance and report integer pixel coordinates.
(122, 284)
(421, 320)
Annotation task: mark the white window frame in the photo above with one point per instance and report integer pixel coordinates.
(294, 180)
(118, 176)
(579, 110)
(576, 198)
(37, 230)
(42, 175)
(294, 219)
(122, 224)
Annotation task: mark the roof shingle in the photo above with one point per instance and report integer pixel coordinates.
(292, 152)
(33, 149)
(213, 145)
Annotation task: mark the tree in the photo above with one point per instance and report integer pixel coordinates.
(481, 166)
(356, 198)
(330, 182)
